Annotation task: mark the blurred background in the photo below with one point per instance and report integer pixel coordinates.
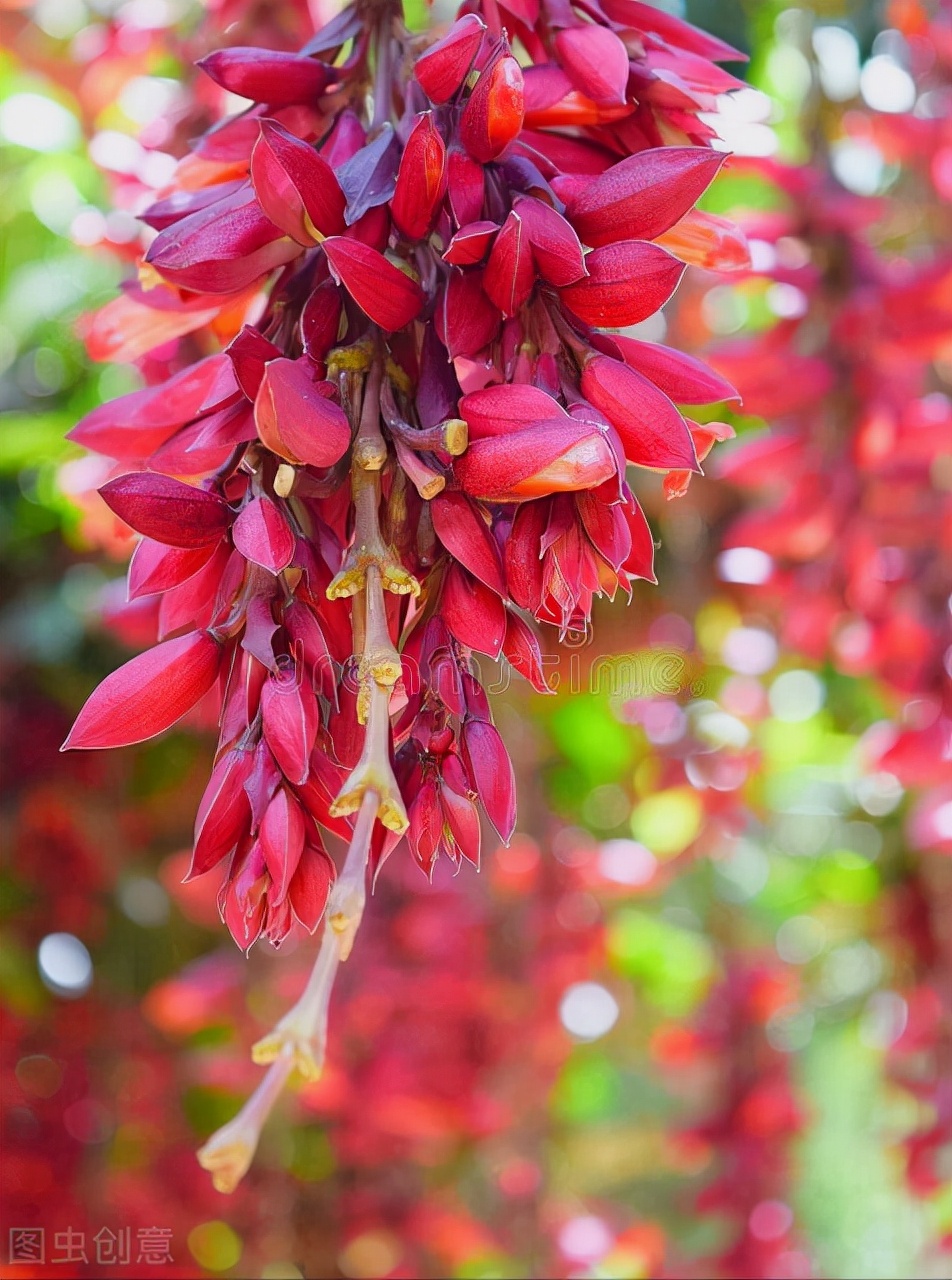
(695, 1021)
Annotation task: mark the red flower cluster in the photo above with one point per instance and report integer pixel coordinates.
(754, 1121)
(418, 431)
(846, 500)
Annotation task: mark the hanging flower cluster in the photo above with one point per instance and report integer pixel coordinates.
(754, 1122)
(415, 437)
(845, 502)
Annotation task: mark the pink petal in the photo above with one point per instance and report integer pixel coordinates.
(524, 572)
(426, 825)
(672, 30)
(459, 812)
(126, 328)
(282, 842)
(136, 424)
(311, 885)
(199, 600)
(290, 718)
(682, 377)
(155, 567)
(243, 692)
(223, 814)
(522, 652)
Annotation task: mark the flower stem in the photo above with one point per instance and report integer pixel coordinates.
(228, 1153)
(299, 1039)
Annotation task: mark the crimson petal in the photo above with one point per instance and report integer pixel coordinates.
(267, 75)
(510, 271)
(262, 535)
(466, 320)
(493, 115)
(166, 510)
(295, 419)
(146, 695)
(464, 533)
(491, 770)
(388, 296)
(295, 186)
(627, 282)
(651, 429)
(684, 378)
(642, 195)
(441, 70)
(421, 179)
(473, 613)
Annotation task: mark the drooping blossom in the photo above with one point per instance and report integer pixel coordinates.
(411, 441)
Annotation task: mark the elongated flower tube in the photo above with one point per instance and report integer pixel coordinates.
(410, 442)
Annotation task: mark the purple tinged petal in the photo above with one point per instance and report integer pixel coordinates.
(223, 248)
